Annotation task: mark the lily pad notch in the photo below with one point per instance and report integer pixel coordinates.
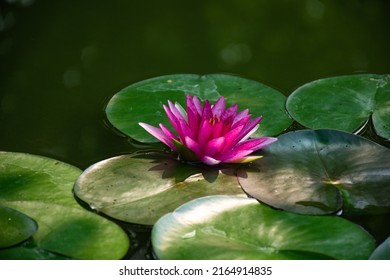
(344, 103)
(143, 102)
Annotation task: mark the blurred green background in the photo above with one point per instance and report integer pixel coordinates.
(61, 61)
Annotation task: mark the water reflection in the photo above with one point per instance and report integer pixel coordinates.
(315, 9)
(24, 3)
(71, 78)
(234, 54)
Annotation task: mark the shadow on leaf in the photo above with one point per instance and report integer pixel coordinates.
(171, 167)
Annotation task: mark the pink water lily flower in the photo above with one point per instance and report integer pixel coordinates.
(210, 134)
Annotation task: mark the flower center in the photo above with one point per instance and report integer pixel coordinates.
(214, 120)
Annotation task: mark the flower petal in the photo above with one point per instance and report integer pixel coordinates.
(187, 131)
(197, 104)
(234, 155)
(240, 115)
(207, 113)
(219, 107)
(211, 134)
(193, 146)
(174, 121)
(249, 134)
(217, 130)
(256, 143)
(169, 134)
(245, 159)
(178, 121)
(215, 146)
(242, 121)
(178, 114)
(231, 136)
(249, 129)
(210, 161)
(231, 111)
(205, 132)
(182, 111)
(193, 119)
(246, 148)
(190, 104)
(159, 134)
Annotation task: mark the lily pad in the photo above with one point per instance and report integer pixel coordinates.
(143, 102)
(227, 227)
(42, 189)
(321, 172)
(382, 252)
(15, 227)
(140, 188)
(343, 103)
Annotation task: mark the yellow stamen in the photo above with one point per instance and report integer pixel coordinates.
(214, 120)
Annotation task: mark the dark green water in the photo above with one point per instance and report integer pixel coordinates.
(61, 61)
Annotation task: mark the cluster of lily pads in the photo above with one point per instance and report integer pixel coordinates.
(299, 200)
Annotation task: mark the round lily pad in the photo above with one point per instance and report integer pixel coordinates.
(42, 189)
(343, 103)
(140, 188)
(321, 172)
(228, 227)
(15, 227)
(143, 102)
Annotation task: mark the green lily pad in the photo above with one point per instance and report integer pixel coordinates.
(227, 227)
(382, 252)
(143, 102)
(141, 188)
(343, 103)
(42, 189)
(15, 227)
(321, 172)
